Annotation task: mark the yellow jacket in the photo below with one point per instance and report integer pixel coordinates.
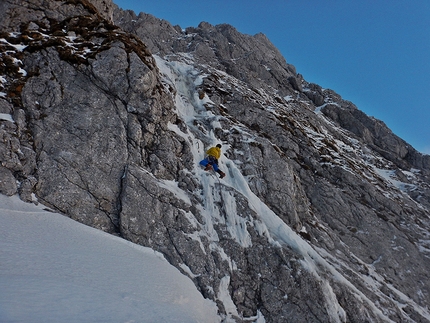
(214, 152)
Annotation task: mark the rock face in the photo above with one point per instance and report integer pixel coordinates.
(104, 115)
(251, 59)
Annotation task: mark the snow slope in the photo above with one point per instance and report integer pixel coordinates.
(53, 269)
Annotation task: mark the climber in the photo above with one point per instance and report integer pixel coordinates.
(211, 161)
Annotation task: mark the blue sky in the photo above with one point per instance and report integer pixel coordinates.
(375, 53)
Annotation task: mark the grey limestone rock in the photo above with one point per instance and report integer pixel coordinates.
(248, 58)
(7, 182)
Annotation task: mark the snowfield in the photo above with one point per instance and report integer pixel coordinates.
(53, 269)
